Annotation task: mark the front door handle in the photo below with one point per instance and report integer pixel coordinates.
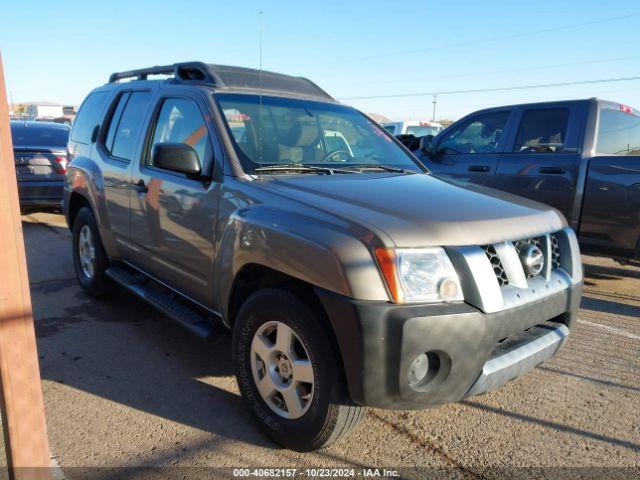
(140, 187)
(552, 170)
(479, 168)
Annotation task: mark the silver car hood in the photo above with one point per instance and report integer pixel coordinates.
(414, 210)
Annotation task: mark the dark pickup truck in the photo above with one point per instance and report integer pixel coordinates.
(580, 156)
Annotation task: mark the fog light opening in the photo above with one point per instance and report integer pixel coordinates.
(423, 370)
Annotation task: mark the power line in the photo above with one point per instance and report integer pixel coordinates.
(493, 72)
(496, 89)
(404, 53)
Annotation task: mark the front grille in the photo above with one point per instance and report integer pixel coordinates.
(501, 266)
(496, 264)
(522, 245)
(555, 251)
(494, 275)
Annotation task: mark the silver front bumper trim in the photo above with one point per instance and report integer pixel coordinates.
(514, 363)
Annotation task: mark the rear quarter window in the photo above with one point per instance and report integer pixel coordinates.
(618, 133)
(88, 117)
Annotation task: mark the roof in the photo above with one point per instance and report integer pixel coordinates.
(230, 78)
(601, 102)
(534, 104)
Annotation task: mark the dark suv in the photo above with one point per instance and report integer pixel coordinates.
(40, 155)
(348, 275)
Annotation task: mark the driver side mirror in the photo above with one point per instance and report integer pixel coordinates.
(426, 145)
(177, 157)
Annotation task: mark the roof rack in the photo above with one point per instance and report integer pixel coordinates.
(230, 77)
(187, 71)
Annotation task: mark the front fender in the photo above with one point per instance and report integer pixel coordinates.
(299, 246)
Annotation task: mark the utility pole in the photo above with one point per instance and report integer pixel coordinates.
(433, 117)
(21, 402)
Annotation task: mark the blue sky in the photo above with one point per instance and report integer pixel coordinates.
(58, 51)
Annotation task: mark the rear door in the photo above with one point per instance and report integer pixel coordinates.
(611, 210)
(541, 159)
(470, 151)
(173, 216)
(118, 144)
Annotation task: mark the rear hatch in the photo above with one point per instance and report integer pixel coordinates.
(40, 158)
(41, 164)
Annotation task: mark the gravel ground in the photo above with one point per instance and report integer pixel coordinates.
(125, 387)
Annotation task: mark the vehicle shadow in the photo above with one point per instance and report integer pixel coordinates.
(607, 306)
(607, 383)
(602, 272)
(124, 351)
(554, 425)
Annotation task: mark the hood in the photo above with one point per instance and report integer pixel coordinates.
(414, 210)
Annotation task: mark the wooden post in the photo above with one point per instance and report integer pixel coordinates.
(23, 423)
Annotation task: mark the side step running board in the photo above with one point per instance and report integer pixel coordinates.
(171, 304)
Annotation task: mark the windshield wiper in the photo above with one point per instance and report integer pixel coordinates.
(293, 167)
(386, 168)
(298, 167)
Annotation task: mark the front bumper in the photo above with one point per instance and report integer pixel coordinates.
(474, 352)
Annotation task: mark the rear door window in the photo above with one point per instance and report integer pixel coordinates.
(88, 117)
(619, 133)
(482, 134)
(126, 124)
(542, 131)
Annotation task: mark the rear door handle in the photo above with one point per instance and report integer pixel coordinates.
(140, 187)
(479, 168)
(552, 170)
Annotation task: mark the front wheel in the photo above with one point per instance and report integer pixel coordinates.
(288, 372)
(89, 258)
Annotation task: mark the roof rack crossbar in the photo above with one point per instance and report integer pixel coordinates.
(186, 71)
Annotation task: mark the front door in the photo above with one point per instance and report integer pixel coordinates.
(541, 159)
(471, 150)
(173, 216)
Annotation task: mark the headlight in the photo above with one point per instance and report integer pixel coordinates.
(419, 275)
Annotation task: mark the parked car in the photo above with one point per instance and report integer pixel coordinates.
(40, 156)
(581, 157)
(417, 128)
(349, 276)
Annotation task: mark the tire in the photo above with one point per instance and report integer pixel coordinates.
(94, 282)
(328, 413)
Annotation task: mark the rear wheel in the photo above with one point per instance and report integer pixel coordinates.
(89, 258)
(288, 372)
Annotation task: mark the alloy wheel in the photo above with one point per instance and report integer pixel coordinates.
(86, 252)
(282, 370)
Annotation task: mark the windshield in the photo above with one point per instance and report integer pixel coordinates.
(281, 131)
(422, 130)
